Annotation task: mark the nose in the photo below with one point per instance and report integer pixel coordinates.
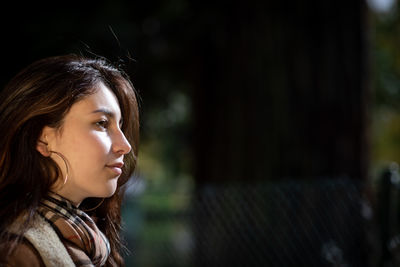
(120, 144)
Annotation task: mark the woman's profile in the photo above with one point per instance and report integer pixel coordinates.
(69, 139)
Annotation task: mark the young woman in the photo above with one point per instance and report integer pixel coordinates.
(69, 139)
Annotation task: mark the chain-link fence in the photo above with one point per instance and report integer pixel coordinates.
(292, 222)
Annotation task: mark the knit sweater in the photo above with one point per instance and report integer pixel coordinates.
(47, 243)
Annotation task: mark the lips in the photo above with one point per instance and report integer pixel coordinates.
(116, 167)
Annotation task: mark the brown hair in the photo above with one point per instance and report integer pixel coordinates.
(41, 95)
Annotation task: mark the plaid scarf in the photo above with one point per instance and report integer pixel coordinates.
(85, 243)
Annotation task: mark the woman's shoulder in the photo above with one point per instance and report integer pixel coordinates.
(23, 255)
(42, 242)
(40, 246)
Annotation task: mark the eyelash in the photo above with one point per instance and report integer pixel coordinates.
(102, 124)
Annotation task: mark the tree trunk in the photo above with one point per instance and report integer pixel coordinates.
(281, 91)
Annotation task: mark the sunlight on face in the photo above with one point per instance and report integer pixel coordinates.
(94, 146)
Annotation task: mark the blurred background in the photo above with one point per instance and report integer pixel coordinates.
(270, 130)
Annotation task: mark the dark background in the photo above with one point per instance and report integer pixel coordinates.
(269, 129)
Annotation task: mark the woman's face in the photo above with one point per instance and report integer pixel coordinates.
(93, 145)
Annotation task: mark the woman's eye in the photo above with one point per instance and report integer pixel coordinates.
(102, 124)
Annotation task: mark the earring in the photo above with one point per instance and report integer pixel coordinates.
(65, 162)
(98, 205)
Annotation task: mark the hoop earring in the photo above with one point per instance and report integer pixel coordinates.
(98, 205)
(65, 162)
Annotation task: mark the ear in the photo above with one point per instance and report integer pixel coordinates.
(42, 144)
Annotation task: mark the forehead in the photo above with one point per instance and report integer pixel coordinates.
(102, 99)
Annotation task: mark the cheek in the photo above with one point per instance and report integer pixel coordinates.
(90, 148)
(96, 144)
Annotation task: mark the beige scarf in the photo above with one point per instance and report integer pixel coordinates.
(85, 243)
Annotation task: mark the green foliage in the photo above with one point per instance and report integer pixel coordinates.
(385, 82)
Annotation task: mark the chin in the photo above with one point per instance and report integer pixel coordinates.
(110, 189)
(110, 194)
(106, 189)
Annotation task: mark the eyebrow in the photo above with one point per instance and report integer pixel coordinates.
(107, 112)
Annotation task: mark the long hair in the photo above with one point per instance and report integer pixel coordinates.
(41, 95)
